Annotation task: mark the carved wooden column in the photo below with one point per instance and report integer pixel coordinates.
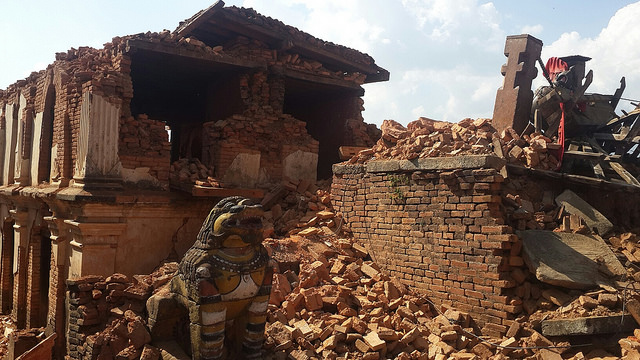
(98, 164)
(514, 98)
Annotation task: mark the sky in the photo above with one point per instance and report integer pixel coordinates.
(444, 56)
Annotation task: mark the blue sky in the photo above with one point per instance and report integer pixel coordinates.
(444, 55)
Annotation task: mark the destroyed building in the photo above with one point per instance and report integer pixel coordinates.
(449, 208)
(111, 158)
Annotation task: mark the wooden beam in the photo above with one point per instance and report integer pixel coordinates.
(320, 79)
(347, 152)
(584, 154)
(171, 49)
(624, 174)
(206, 191)
(198, 190)
(205, 15)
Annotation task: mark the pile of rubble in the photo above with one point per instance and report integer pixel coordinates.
(331, 301)
(107, 316)
(340, 305)
(194, 172)
(430, 138)
(534, 150)
(7, 326)
(300, 207)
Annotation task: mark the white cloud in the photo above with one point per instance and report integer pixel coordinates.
(460, 21)
(338, 21)
(614, 50)
(449, 94)
(532, 29)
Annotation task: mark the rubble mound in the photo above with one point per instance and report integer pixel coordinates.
(430, 138)
(300, 207)
(108, 316)
(192, 171)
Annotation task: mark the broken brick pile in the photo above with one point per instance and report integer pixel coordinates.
(299, 207)
(430, 138)
(534, 150)
(107, 316)
(341, 305)
(529, 206)
(192, 171)
(145, 143)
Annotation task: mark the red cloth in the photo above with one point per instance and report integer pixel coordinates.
(555, 66)
(561, 137)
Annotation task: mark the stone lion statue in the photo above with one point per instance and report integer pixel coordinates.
(224, 280)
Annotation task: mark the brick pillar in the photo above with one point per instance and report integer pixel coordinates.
(34, 273)
(56, 314)
(21, 239)
(514, 98)
(6, 261)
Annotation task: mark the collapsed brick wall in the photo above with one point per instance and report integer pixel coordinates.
(259, 130)
(92, 303)
(439, 231)
(145, 143)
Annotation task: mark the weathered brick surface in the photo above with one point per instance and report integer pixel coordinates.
(145, 143)
(441, 232)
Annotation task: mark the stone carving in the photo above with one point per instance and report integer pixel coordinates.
(225, 282)
(513, 99)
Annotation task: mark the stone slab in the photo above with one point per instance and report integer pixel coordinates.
(573, 204)
(437, 163)
(569, 260)
(588, 325)
(340, 169)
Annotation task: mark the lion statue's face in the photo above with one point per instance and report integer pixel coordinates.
(234, 222)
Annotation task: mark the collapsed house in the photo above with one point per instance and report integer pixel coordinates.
(449, 208)
(112, 157)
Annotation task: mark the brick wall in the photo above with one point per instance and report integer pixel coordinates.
(145, 143)
(440, 231)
